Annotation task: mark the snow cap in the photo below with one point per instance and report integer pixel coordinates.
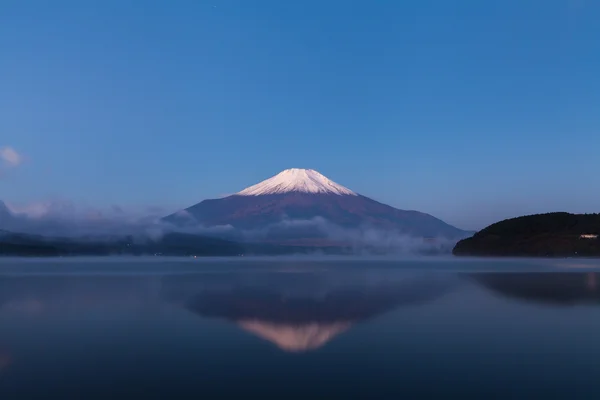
(297, 180)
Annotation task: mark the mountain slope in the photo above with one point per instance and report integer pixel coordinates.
(304, 195)
(5, 213)
(8, 220)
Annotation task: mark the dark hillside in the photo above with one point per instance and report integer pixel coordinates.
(541, 235)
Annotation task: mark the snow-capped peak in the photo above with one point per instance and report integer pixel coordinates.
(296, 180)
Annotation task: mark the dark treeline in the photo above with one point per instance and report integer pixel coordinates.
(541, 235)
(171, 244)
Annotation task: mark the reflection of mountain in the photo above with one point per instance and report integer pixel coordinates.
(297, 310)
(559, 288)
(300, 313)
(295, 338)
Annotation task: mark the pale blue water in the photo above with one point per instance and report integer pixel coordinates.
(118, 328)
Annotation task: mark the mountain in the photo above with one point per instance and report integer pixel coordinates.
(557, 234)
(309, 205)
(5, 214)
(8, 220)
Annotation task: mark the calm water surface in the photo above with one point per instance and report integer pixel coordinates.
(299, 329)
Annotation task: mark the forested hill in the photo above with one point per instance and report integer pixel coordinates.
(542, 235)
(171, 244)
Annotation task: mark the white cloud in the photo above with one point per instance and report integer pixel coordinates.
(64, 218)
(10, 157)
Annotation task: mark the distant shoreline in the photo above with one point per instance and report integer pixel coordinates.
(552, 235)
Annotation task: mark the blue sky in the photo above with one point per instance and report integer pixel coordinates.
(469, 110)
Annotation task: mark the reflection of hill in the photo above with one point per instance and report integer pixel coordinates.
(560, 288)
(300, 313)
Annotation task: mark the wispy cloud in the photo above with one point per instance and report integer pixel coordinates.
(10, 157)
(64, 218)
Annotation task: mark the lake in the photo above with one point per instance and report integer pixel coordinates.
(299, 328)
